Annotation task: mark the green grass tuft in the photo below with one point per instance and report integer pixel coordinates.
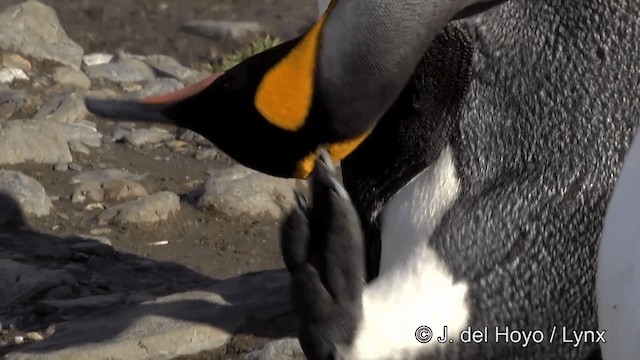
(237, 57)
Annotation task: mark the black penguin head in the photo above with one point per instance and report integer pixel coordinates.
(269, 114)
(226, 114)
(262, 119)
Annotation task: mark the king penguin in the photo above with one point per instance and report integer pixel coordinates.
(480, 143)
(479, 198)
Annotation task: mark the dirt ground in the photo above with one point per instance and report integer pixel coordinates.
(208, 242)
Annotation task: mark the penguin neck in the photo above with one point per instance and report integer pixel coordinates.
(411, 136)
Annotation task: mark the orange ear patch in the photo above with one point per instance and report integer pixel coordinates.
(285, 93)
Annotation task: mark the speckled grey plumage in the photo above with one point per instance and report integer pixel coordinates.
(540, 136)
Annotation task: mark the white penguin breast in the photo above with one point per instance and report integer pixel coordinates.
(411, 215)
(414, 287)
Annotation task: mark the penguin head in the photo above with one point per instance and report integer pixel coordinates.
(257, 115)
(275, 111)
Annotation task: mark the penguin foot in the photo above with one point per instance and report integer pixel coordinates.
(322, 246)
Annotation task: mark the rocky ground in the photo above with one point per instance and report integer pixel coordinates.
(124, 241)
(167, 26)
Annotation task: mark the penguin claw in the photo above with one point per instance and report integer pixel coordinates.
(324, 173)
(294, 239)
(322, 245)
(325, 158)
(301, 201)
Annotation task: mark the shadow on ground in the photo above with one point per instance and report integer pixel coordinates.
(100, 298)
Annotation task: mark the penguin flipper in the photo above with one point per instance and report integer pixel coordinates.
(322, 246)
(150, 108)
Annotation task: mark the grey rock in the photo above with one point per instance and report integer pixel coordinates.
(125, 71)
(150, 209)
(103, 175)
(79, 147)
(44, 142)
(220, 29)
(94, 206)
(21, 282)
(123, 55)
(104, 93)
(207, 154)
(193, 137)
(74, 166)
(120, 133)
(34, 336)
(9, 75)
(15, 61)
(131, 88)
(27, 191)
(128, 125)
(119, 190)
(152, 135)
(179, 145)
(61, 166)
(96, 59)
(67, 109)
(71, 76)
(171, 326)
(288, 348)
(33, 29)
(81, 134)
(91, 190)
(90, 207)
(196, 76)
(51, 329)
(169, 66)
(238, 190)
(11, 101)
(159, 86)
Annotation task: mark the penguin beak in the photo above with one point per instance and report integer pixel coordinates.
(182, 93)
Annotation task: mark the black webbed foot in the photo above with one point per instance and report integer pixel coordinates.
(322, 246)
